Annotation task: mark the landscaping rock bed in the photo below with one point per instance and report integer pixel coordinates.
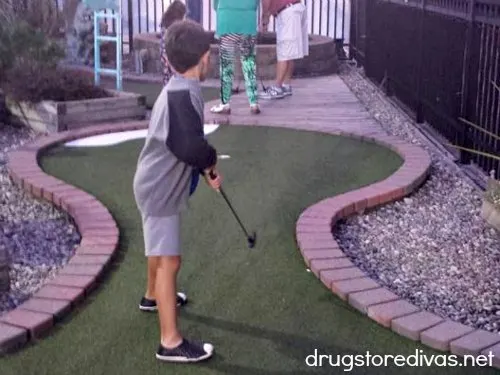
(39, 239)
(432, 248)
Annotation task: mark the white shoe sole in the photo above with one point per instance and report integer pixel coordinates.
(183, 359)
(207, 347)
(147, 308)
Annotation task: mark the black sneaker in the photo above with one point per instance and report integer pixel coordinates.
(150, 304)
(186, 352)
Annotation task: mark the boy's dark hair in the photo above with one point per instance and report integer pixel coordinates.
(175, 12)
(185, 44)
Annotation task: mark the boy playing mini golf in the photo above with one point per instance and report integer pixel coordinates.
(174, 147)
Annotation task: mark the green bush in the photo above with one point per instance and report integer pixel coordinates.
(32, 83)
(43, 15)
(20, 42)
(29, 68)
(21, 46)
(30, 51)
(492, 193)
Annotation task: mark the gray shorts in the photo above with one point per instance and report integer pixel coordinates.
(162, 235)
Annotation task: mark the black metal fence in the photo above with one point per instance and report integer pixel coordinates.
(441, 59)
(325, 17)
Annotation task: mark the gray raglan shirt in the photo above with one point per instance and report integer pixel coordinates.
(175, 144)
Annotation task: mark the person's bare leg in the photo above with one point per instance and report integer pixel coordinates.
(151, 284)
(289, 72)
(281, 72)
(166, 283)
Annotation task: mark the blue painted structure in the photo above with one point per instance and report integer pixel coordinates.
(99, 7)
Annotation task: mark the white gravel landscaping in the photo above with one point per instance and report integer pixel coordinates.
(432, 248)
(39, 239)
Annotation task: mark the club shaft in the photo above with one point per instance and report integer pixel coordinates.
(234, 212)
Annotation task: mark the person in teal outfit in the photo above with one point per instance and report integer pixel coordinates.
(236, 29)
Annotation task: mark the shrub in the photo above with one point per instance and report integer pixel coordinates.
(29, 68)
(20, 42)
(492, 193)
(42, 15)
(32, 83)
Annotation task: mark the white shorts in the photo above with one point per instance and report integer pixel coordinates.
(292, 38)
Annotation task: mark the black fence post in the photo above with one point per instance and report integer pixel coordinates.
(370, 17)
(419, 107)
(352, 29)
(465, 135)
(130, 26)
(194, 10)
(386, 51)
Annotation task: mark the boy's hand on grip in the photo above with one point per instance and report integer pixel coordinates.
(213, 179)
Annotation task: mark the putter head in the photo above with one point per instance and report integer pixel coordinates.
(252, 240)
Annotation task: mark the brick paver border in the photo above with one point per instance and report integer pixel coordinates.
(99, 232)
(323, 255)
(314, 234)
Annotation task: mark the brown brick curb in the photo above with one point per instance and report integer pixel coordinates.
(100, 235)
(327, 261)
(99, 240)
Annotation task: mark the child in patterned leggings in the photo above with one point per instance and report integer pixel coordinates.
(237, 31)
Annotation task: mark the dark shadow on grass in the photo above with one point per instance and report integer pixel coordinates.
(298, 348)
(290, 345)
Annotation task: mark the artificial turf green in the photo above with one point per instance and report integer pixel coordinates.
(151, 90)
(264, 313)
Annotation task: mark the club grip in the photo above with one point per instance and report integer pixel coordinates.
(212, 175)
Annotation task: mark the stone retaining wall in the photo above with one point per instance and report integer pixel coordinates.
(322, 59)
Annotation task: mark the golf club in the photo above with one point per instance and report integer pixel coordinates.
(251, 239)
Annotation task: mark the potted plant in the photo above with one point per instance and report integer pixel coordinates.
(52, 100)
(44, 96)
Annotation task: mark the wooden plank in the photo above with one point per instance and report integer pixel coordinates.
(323, 103)
(73, 121)
(75, 107)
